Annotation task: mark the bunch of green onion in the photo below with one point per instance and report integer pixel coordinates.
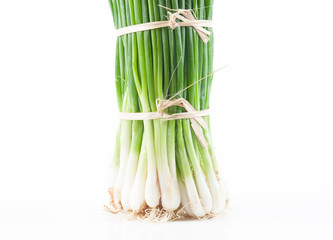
(159, 165)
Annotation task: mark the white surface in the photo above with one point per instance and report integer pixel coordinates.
(293, 217)
(271, 110)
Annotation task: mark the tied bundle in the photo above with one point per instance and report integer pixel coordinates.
(164, 165)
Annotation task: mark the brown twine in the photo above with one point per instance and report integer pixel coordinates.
(186, 18)
(192, 114)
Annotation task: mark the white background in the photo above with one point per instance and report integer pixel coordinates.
(271, 109)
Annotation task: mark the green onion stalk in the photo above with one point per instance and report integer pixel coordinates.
(159, 167)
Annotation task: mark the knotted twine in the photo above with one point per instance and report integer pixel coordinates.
(186, 18)
(192, 114)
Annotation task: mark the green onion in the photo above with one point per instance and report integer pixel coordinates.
(160, 169)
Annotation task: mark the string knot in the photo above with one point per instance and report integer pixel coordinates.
(191, 113)
(187, 17)
(172, 20)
